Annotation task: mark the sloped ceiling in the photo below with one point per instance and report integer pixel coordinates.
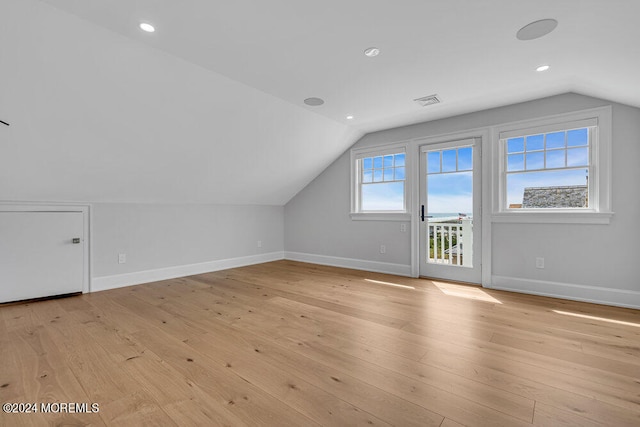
(209, 107)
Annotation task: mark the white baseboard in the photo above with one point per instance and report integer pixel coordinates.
(356, 264)
(136, 278)
(594, 294)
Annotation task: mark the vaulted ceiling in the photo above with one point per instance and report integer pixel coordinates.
(209, 108)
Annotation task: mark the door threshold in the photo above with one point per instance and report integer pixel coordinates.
(453, 282)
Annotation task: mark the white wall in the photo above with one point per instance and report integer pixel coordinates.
(172, 240)
(165, 150)
(96, 116)
(317, 222)
(590, 262)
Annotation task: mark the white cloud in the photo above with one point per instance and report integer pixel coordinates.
(450, 203)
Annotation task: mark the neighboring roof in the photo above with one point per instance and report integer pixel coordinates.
(571, 196)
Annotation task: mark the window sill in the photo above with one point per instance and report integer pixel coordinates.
(552, 217)
(380, 216)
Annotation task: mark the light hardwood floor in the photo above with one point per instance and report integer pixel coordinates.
(294, 344)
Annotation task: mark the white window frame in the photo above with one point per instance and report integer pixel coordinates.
(599, 210)
(356, 197)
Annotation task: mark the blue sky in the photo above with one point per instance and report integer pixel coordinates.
(383, 196)
(385, 175)
(450, 185)
(450, 179)
(449, 192)
(528, 156)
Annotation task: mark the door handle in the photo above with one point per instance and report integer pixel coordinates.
(422, 213)
(75, 240)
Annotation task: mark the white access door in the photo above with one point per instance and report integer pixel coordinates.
(38, 256)
(450, 211)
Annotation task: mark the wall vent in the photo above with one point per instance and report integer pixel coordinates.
(428, 100)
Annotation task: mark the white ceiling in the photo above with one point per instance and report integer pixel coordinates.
(463, 50)
(209, 108)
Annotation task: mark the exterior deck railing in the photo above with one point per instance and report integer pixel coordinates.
(451, 242)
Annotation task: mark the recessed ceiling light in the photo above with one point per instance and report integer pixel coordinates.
(147, 27)
(537, 29)
(349, 117)
(542, 68)
(372, 51)
(314, 102)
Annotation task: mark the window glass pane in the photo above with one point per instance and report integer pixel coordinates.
(515, 145)
(577, 137)
(555, 140)
(449, 161)
(465, 158)
(548, 170)
(399, 159)
(578, 156)
(377, 175)
(535, 142)
(548, 189)
(555, 159)
(433, 162)
(387, 196)
(450, 193)
(535, 160)
(399, 173)
(388, 174)
(367, 176)
(377, 162)
(515, 162)
(367, 163)
(388, 161)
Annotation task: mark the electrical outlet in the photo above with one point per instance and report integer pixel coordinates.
(403, 227)
(259, 243)
(539, 262)
(383, 249)
(122, 258)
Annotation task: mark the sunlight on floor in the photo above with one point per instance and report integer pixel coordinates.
(389, 284)
(603, 319)
(465, 291)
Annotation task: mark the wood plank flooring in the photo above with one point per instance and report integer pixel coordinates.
(294, 344)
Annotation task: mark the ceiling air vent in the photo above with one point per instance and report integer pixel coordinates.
(428, 100)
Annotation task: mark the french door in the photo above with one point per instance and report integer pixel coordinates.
(450, 209)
